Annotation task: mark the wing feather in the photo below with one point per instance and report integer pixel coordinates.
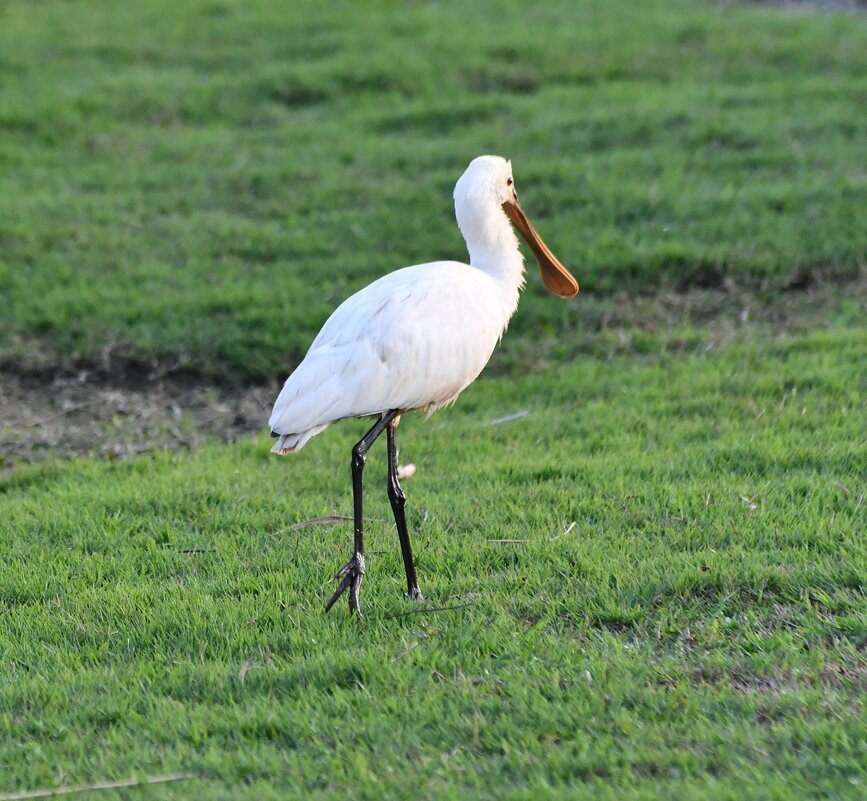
(413, 339)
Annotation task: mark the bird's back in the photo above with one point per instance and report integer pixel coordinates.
(414, 339)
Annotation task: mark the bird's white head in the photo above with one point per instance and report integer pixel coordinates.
(485, 198)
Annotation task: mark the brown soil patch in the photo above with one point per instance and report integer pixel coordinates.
(91, 414)
(121, 408)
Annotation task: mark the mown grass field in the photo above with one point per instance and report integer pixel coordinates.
(663, 567)
(202, 182)
(649, 582)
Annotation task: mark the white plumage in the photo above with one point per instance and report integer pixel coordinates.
(417, 337)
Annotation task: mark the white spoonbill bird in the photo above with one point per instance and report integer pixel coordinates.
(414, 340)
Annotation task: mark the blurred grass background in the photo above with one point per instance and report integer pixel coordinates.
(200, 183)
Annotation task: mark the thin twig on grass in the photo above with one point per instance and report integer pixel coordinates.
(509, 417)
(61, 413)
(319, 521)
(507, 541)
(426, 609)
(85, 788)
(326, 520)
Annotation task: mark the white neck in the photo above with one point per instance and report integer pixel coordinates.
(493, 248)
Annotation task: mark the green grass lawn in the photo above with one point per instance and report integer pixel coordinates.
(201, 182)
(661, 569)
(649, 584)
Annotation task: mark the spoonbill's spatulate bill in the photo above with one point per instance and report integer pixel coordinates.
(415, 339)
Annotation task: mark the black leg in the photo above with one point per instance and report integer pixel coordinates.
(352, 573)
(397, 497)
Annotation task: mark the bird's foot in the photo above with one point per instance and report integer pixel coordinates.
(350, 577)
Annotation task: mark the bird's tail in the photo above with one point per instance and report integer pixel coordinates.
(289, 443)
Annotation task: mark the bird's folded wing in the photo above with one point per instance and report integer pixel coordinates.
(413, 339)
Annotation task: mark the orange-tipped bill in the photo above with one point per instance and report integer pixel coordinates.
(555, 276)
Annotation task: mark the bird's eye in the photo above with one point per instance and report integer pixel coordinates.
(508, 181)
